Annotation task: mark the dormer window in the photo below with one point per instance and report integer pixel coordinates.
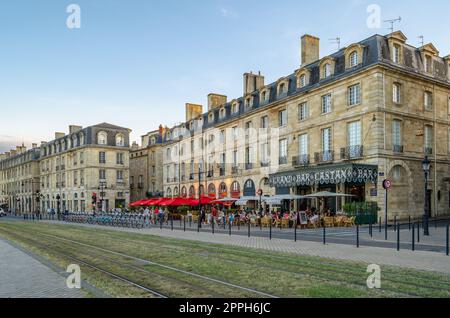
(283, 87)
(302, 80)
(248, 102)
(120, 140)
(235, 108)
(354, 61)
(222, 113)
(264, 96)
(211, 118)
(102, 138)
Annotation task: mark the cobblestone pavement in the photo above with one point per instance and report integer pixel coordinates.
(420, 260)
(22, 276)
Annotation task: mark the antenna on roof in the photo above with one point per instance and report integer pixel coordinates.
(422, 43)
(392, 21)
(336, 41)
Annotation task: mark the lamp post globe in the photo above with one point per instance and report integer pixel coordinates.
(426, 164)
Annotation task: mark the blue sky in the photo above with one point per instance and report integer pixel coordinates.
(136, 63)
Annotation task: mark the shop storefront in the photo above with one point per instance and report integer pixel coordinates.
(351, 179)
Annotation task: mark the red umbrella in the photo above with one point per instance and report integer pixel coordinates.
(203, 201)
(138, 203)
(156, 202)
(175, 202)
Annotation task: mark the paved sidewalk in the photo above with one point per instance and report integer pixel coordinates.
(22, 276)
(420, 260)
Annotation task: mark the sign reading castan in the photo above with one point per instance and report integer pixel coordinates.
(350, 173)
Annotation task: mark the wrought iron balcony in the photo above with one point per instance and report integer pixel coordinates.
(234, 170)
(324, 157)
(282, 160)
(428, 151)
(301, 160)
(210, 174)
(248, 166)
(140, 185)
(352, 152)
(191, 176)
(397, 148)
(265, 164)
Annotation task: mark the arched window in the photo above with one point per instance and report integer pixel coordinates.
(249, 188)
(235, 108)
(102, 138)
(183, 192)
(223, 193)
(222, 113)
(210, 118)
(176, 192)
(192, 192)
(169, 192)
(212, 191)
(235, 190)
(354, 59)
(120, 140)
(302, 80)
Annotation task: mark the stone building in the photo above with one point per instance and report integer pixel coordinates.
(146, 176)
(340, 123)
(87, 161)
(19, 179)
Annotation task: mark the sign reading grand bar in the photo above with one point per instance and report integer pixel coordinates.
(336, 174)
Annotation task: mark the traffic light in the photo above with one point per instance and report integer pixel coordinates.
(94, 198)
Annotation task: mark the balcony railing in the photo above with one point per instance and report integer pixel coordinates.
(234, 170)
(397, 148)
(301, 160)
(63, 167)
(324, 157)
(191, 176)
(132, 186)
(248, 166)
(264, 164)
(282, 160)
(210, 174)
(222, 171)
(428, 151)
(140, 185)
(352, 152)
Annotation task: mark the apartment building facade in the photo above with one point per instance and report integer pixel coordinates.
(341, 123)
(19, 179)
(88, 162)
(146, 175)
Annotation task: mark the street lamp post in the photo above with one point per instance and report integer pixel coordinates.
(426, 169)
(58, 206)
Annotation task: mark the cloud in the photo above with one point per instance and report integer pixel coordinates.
(229, 13)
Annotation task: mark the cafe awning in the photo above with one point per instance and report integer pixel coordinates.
(329, 174)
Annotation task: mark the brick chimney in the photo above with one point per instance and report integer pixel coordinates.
(310, 49)
(252, 82)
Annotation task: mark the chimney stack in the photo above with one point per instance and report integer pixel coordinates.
(216, 100)
(59, 135)
(34, 146)
(252, 82)
(310, 50)
(74, 129)
(193, 111)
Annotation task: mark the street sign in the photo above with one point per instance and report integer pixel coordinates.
(387, 184)
(260, 192)
(373, 192)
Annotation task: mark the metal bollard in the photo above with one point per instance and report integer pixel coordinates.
(249, 228)
(357, 235)
(270, 229)
(184, 224)
(324, 236)
(413, 241)
(418, 231)
(379, 224)
(395, 223)
(435, 222)
(171, 221)
(295, 232)
(212, 226)
(447, 247)
(398, 237)
(370, 229)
